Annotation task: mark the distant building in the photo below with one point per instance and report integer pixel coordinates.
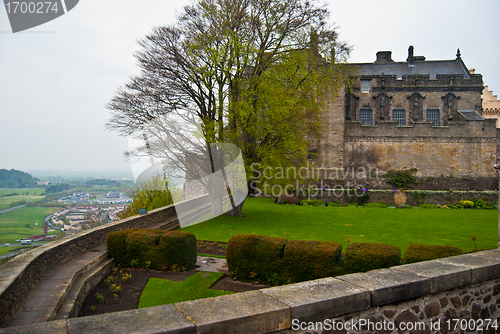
(113, 198)
(491, 106)
(77, 198)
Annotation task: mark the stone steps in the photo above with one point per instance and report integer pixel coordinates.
(53, 290)
(83, 285)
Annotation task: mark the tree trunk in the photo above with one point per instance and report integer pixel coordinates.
(237, 211)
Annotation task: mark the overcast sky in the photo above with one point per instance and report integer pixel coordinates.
(55, 79)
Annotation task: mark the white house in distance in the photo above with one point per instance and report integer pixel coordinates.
(113, 198)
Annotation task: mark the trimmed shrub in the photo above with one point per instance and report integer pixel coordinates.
(142, 246)
(480, 204)
(362, 257)
(178, 248)
(466, 204)
(404, 206)
(418, 253)
(253, 257)
(316, 202)
(426, 206)
(115, 242)
(308, 260)
(152, 249)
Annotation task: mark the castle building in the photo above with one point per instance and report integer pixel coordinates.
(491, 105)
(418, 113)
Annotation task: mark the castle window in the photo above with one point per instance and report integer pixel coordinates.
(399, 115)
(365, 86)
(365, 115)
(433, 116)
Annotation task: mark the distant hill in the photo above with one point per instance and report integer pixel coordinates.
(16, 179)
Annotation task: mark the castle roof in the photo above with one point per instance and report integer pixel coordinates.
(413, 65)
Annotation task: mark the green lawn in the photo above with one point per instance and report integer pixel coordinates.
(30, 191)
(13, 224)
(161, 291)
(398, 227)
(5, 202)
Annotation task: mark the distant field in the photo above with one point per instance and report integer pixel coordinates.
(6, 250)
(13, 224)
(7, 202)
(21, 191)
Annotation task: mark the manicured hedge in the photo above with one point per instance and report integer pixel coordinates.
(253, 257)
(142, 246)
(362, 257)
(178, 248)
(308, 260)
(153, 249)
(116, 246)
(418, 252)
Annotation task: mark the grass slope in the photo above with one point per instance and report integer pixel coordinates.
(13, 224)
(161, 291)
(7, 202)
(398, 227)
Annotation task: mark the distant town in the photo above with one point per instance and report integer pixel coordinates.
(94, 209)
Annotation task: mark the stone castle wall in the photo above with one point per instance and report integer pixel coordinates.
(467, 149)
(332, 142)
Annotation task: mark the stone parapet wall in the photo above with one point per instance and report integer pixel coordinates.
(461, 287)
(453, 311)
(423, 82)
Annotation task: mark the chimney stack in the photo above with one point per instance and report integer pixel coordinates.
(384, 57)
(410, 56)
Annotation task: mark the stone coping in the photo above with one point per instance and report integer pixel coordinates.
(273, 309)
(20, 276)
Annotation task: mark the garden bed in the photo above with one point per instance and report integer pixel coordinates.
(130, 293)
(128, 296)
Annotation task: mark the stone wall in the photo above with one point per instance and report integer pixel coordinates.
(468, 149)
(448, 182)
(452, 311)
(462, 289)
(331, 144)
(413, 198)
(474, 308)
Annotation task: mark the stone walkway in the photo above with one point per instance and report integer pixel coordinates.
(211, 264)
(50, 292)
